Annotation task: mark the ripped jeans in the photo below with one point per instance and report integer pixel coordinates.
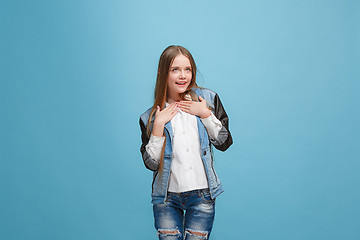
(188, 215)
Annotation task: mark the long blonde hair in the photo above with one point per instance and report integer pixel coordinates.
(160, 93)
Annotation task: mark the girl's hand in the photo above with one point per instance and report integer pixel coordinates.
(162, 117)
(195, 108)
(165, 115)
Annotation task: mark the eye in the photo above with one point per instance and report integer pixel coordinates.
(188, 69)
(175, 69)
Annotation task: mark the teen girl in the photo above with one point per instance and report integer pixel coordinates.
(177, 133)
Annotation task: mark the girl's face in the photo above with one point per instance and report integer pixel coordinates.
(179, 77)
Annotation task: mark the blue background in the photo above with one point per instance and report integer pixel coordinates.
(76, 75)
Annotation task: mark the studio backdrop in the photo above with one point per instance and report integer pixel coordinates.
(76, 75)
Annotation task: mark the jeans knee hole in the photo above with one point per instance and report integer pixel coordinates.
(168, 232)
(198, 234)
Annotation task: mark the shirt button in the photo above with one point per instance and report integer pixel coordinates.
(187, 149)
(184, 132)
(204, 152)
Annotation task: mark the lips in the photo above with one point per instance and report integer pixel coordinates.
(182, 83)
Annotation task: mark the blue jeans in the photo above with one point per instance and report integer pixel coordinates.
(187, 215)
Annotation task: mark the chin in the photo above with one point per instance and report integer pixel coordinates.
(181, 91)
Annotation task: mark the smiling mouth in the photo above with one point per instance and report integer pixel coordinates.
(180, 83)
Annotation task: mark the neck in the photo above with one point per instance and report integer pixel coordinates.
(171, 99)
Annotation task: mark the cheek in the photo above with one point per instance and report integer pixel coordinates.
(172, 78)
(190, 75)
(189, 83)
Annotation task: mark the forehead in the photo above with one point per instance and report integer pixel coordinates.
(181, 60)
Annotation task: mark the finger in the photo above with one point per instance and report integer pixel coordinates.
(173, 106)
(185, 107)
(182, 107)
(157, 109)
(175, 112)
(185, 102)
(170, 107)
(201, 99)
(186, 110)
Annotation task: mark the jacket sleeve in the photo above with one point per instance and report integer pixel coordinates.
(149, 162)
(224, 139)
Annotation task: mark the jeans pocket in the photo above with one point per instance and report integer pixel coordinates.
(206, 197)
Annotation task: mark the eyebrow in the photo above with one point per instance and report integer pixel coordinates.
(179, 67)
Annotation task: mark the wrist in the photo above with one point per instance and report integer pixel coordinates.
(206, 114)
(158, 128)
(158, 124)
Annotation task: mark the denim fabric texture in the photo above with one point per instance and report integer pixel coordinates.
(188, 215)
(160, 181)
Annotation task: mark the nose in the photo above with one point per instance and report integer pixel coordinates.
(182, 74)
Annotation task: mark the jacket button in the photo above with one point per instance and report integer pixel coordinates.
(204, 152)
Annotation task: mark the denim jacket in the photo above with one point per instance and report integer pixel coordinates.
(223, 142)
